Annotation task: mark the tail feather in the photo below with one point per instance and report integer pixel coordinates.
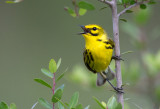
(109, 74)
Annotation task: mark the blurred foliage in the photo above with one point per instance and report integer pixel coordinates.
(13, 1)
(3, 105)
(80, 8)
(80, 75)
(152, 62)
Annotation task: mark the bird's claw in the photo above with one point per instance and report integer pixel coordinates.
(119, 90)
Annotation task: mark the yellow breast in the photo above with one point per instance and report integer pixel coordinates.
(101, 54)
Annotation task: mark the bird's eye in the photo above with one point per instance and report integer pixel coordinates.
(94, 28)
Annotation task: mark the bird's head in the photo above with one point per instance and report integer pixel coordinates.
(93, 31)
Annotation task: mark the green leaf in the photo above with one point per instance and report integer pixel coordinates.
(42, 82)
(61, 87)
(45, 103)
(143, 6)
(60, 105)
(99, 103)
(119, 1)
(74, 100)
(112, 103)
(119, 106)
(79, 106)
(126, 52)
(70, 11)
(52, 66)
(132, 2)
(59, 63)
(87, 107)
(82, 11)
(10, 2)
(85, 5)
(3, 105)
(104, 104)
(60, 77)
(151, 2)
(46, 72)
(13, 106)
(34, 105)
(14, 1)
(57, 95)
(125, 1)
(129, 11)
(124, 20)
(103, 8)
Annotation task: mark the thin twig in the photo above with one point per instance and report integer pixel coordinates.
(106, 2)
(54, 84)
(75, 7)
(131, 6)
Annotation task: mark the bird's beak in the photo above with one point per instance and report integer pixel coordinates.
(85, 30)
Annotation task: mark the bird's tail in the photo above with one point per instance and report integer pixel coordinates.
(109, 74)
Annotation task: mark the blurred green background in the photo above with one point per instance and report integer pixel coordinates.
(34, 31)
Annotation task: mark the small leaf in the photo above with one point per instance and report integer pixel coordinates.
(61, 87)
(99, 103)
(132, 2)
(104, 104)
(129, 11)
(34, 105)
(82, 11)
(42, 82)
(60, 77)
(45, 103)
(151, 2)
(112, 103)
(85, 5)
(124, 20)
(125, 1)
(103, 8)
(126, 52)
(87, 107)
(3, 105)
(126, 99)
(52, 66)
(70, 11)
(119, 106)
(119, 1)
(14, 1)
(74, 100)
(60, 105)
(143, 6)
(59, 63)
(10, 2)
(46, 72)
(13, 106)
(79, 106)
(57, 95)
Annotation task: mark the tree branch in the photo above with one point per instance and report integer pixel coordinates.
(110, 3)
(131, 6)
(115, 20)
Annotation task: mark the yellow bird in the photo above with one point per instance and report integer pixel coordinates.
(98, 52)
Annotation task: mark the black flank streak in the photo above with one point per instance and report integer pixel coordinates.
(99, 40)
(106, 42)
(91, 56)
(109, 47)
